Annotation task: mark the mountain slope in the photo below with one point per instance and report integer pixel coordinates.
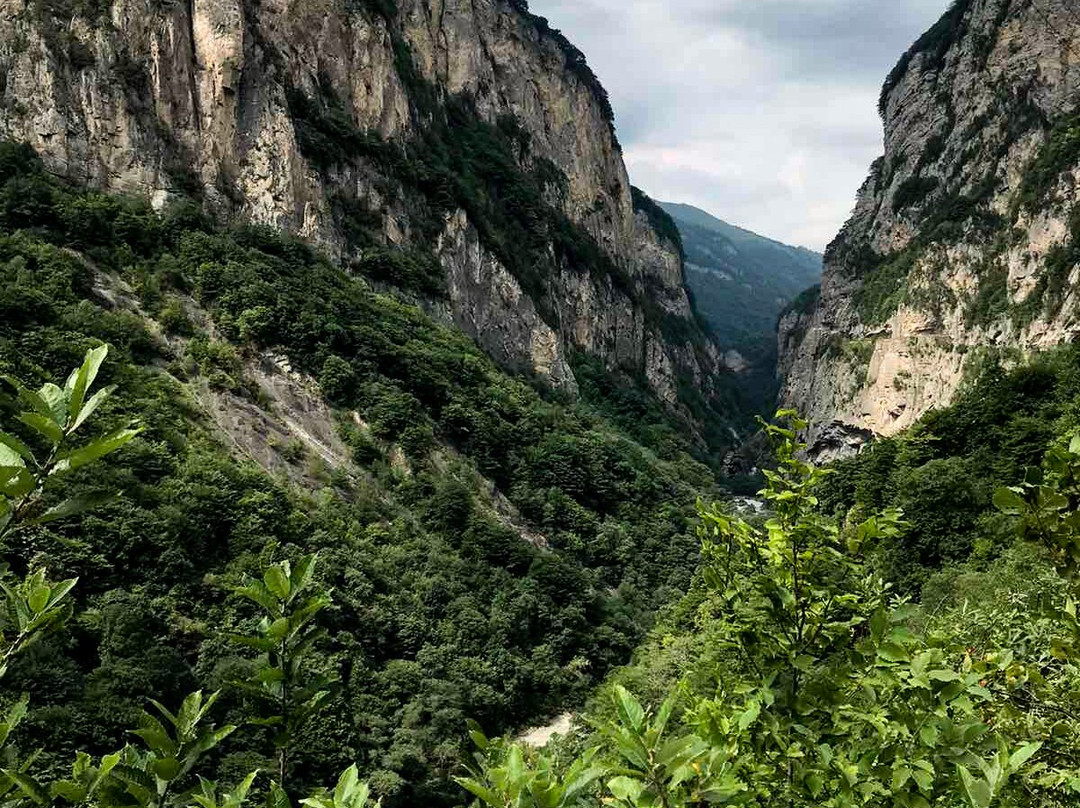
(493, 548)
(965, 239)
(740, 281)
(473, 136)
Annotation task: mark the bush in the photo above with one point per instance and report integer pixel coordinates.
(338, 380)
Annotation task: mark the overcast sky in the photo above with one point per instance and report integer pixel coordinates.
(762, 112)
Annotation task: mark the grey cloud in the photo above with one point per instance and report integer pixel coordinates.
(761, 111)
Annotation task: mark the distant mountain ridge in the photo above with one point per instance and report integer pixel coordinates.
(741, 281)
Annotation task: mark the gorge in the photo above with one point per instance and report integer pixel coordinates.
(378, 318)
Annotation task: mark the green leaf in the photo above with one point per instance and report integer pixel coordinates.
(928, 734)
(345, 785)
(44, 426)
(257, 592)
(626, 788)
(74, 506)
(1007, 500)
(16, 483)
(39, 599)
(679, 751)
(892, 652)
(277, 581)
(1021, 756)
(478, 789)
(56, 401)
(95, 450)
(277, 798)
(28, 786)
(301, 575)
(84, 379)
(91, 406)
(978, 792)
(28, 396)
(167, 768)
(629, 709)
(13, 452)
(750, 714)
(944, 675)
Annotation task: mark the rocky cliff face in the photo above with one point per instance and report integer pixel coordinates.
(466, 130)
(965, 240)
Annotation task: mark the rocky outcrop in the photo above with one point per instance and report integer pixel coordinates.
(965, 238)
(201, 98)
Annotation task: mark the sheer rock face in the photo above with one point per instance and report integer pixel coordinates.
(955, 251)
(156, 97)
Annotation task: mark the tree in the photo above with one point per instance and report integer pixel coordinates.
(288, 693)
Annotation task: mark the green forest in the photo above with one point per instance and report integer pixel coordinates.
(441, 611)
(182, 627)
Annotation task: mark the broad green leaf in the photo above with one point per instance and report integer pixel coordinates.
(580, 781)
(515, 765)
(750, 714)
(239, 794)
(928, 734)
(95, 450)
(679, 751)
(301, 575)
(923, 778)
(44, 426)
(1008, 500)
(90, 407)
(277, 798)
(15, 714)
(16, 483)
(73, 507)
(28, 786)
(892, 652)
(28, 396)
(978, 792)
(481, 791)
(345, 785)
(629, 709)
(13, 452)
(60, 591)
(1021, 756)
(167, 768)
(84, 379)
(56, 400)
(277, 581)
(944, 675)
(626, 788)
(257, 592)
(39, 599)
(68, 791)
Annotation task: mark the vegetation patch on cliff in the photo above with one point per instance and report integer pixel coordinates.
(461, 161)
(1058, 154)
(659, 219)
(575, 62)
(932, 46)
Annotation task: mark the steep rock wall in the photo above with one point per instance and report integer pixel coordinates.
(965, 239)
(201, 97)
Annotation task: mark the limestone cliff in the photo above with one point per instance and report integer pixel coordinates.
(965, 240)
(467, 131)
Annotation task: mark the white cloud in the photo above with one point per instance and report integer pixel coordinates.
(763, 112)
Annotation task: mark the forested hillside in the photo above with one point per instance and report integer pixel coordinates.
(492, 547)
(896, 629)
(741, 281)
